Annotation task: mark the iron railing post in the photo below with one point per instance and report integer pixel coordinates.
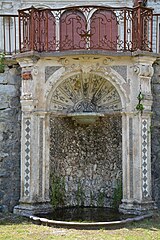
(125, 30)
(46, 33)
(151, 30)
(32, 32)
(15, 37)
(139, 26)
(4, 32)
(19, 22)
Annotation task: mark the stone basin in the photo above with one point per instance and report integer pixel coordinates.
(86, 218)
(85, 118)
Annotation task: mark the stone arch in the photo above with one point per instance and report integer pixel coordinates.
(84, 92)
(108, 74)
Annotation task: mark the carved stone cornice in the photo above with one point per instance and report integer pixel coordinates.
(84, 64)
(27, 61)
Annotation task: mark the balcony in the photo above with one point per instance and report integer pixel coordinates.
(80, 28)
(86, 28)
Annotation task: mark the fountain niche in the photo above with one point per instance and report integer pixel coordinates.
(85, 143)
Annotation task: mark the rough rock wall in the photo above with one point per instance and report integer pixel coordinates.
(155, 131)
(10, 116)
(86, 160)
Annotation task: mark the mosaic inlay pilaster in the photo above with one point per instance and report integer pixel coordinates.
(131, 155)
(27, 157)
(145, 157)
(40, 155)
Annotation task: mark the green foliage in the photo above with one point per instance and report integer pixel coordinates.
(57, 191)
(140, 96)
(2, 62)
(91, 199)
(80, 194)
(101, 198)
(117, 195)
(140, 106)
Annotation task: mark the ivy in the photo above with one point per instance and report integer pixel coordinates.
(117, 195)
(80, 194)
(57, 191)
(2, 62)
(101, 198)
(140, 106)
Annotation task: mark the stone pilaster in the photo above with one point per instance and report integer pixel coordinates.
(136, 164)
(137, 145)
(34, 167)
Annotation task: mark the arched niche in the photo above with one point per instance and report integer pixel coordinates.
(85, 158)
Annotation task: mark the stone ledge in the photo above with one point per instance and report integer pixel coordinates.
(84, 53)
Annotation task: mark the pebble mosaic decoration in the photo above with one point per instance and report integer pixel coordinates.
(88, 158)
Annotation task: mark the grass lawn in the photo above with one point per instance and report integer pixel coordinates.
(18, 228)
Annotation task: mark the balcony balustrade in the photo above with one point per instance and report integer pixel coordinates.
(9, 34)
(80, 28)
(86, 28)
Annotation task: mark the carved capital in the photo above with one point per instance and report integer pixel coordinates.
(28, 104)
(26, 96)
(144, 70)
